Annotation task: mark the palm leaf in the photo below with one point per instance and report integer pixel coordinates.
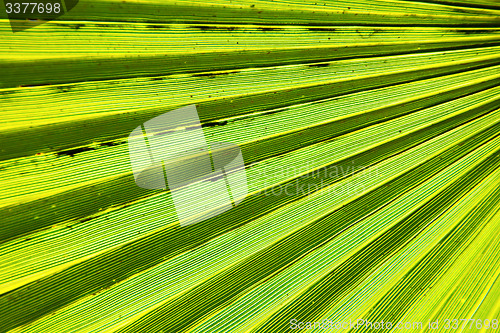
(383, 117)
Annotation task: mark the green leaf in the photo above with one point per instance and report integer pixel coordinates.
(370, 133)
